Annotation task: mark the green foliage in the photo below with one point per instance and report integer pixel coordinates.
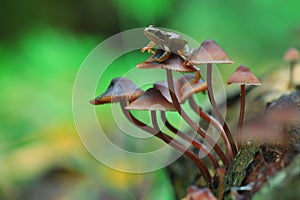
(145, 12)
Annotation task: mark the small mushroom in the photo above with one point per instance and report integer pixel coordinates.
(242, 76)
(210, 53)
(291, 56)
(175, 63)
(119, 88)
(152, 99)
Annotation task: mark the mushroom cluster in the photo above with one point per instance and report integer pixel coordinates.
(169, 95)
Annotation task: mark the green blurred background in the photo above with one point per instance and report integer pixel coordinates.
(42, 45)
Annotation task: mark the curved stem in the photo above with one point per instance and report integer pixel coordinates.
(194, 126)
(194, 142)
(241, 118)
(167, 139)
(154, 121)
(221, 173)
(190, 83)
(215, 108)
(210, 119)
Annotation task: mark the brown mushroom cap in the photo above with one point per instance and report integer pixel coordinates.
(162, 86)
(209, 52)
(119, 88)
(243, 75)
(174, 62)
(152, 99)
(292, 55)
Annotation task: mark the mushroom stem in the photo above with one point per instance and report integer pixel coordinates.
(154, 121)
(193, 125)
(221, 173)
(210, 119)
(291, 81)
(167, 139)
(241, 117)
(193, 141)
(216, 109)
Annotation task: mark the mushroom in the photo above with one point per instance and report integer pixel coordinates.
(242, 76)
(210, 53)
(119, 88)
(291, 56)
(153, 101)
(176, 63)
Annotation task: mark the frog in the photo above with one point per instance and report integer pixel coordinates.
(169, 42)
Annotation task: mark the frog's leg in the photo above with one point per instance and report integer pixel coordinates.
(159, 56)
(149, 47)
(186, 52)
(181, 54)
(164, 56)
(194, 81)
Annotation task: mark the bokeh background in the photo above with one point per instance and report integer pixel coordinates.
(42, 45)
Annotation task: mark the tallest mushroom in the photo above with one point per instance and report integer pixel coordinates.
(210, 53)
